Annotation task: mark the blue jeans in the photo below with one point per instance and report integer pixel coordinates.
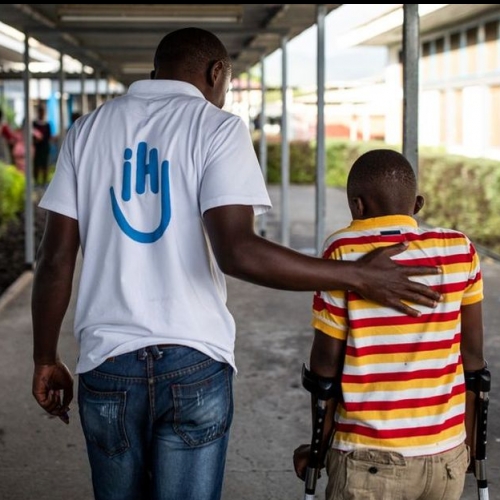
(156, 423)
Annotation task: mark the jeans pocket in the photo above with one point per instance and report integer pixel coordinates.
(204, 409)
(102, 416)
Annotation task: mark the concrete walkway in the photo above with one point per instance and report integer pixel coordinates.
(43, 459)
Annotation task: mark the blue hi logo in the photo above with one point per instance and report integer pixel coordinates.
(145, 167)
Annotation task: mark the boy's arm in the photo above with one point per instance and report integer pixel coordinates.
(326, 360)
(471, 347)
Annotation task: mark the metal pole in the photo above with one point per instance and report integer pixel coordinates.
(62, 127)
(263, 142)
(97, 97)
(320, 133)
(411, 46)
(285, 151)
(84, 100)
(29, 240)
(249, 99)
(107, 87)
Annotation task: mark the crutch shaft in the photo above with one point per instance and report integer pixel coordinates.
(482, 494)
(483, 383)
(311, 480)
(323, 390)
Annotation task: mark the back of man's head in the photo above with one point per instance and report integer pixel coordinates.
(187, 52)
(383, 179)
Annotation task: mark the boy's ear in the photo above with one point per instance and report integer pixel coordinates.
(419, 203)
(357, 208)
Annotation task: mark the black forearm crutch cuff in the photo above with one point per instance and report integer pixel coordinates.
(323, 388)
(479, 380)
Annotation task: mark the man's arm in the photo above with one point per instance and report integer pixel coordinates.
(243, 254)
(471, 347)
(56, 257)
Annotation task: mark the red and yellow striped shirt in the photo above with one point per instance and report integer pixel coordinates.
(402, 382)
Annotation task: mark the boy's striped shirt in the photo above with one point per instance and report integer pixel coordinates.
(403, 384)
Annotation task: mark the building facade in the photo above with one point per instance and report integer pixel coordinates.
(459, 77)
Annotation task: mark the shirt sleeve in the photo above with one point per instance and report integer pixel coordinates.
(329, 311)
(61, 194)
(474, 289)
(232, 174)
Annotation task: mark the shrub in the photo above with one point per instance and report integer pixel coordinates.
(301, 160)
(340, 155)
(12, 186)
(460, 193)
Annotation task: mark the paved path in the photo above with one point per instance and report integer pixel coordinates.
(42, 459)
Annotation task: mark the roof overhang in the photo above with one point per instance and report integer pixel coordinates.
(119, 40)
(387, 29)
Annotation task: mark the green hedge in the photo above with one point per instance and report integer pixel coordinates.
(460, 193)
(340, 155)
(464, 194)
(12, 187)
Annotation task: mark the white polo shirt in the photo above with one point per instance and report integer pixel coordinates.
(137, 174)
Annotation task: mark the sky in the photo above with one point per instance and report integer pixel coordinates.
(340, 63)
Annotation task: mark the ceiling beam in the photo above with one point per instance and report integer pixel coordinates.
(164, 29)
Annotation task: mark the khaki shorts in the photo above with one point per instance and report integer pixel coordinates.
(368, 474)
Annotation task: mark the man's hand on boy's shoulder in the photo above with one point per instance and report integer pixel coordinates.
(385, 281)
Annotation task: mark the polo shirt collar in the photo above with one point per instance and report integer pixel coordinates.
(383, 221)
(163, 87)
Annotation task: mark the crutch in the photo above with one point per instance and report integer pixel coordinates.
(324, 389)
(482, 388)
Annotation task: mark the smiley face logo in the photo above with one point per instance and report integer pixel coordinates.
(147, 168)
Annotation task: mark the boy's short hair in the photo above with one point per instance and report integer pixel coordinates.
(383, 174)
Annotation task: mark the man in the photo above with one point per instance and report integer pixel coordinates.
(159, 188)
(401, 428)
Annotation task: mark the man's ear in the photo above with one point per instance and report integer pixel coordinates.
(215, 71)
(419, 203)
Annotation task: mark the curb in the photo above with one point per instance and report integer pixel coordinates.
(15, 289)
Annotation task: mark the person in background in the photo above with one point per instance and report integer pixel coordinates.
(159, 189)
(402, 427)
(7, 140)
(42, 143)
(19, 146)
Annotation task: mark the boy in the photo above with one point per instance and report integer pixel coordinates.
(399, 429)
